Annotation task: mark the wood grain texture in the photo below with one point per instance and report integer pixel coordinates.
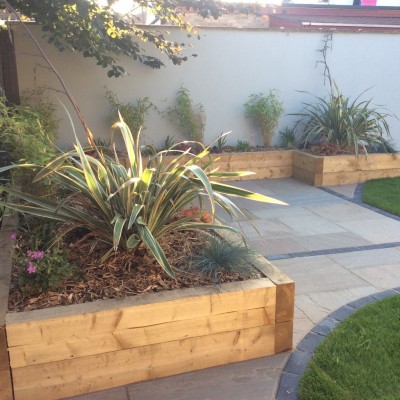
(129, 338)
(144, 310)
(72, 377)
(361, 163)
(345, 178)
(264, 165)
(283, 336)
(84, 375)
(345, 169)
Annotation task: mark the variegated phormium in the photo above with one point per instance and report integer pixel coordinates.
(129, 203)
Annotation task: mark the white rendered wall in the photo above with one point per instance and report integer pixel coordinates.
(231, 65)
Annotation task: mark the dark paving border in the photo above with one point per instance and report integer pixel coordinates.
(326, 252)
(298, 361)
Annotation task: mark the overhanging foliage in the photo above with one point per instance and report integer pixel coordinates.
(96, 30)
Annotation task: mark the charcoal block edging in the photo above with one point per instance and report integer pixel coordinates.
(298, 360)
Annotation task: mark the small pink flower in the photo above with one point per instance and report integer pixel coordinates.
(13, 236)
(31, 269)
(37, 255)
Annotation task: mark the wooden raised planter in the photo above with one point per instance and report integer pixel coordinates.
(264, 164)
(77, 349)
(346, 169)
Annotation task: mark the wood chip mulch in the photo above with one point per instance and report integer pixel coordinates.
(123, 274)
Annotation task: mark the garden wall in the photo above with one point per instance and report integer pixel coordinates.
(230, 65)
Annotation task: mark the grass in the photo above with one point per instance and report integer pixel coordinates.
(360, 360)
(383, 194)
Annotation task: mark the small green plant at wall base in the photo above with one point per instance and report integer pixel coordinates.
(220, 143)
(265, 110)
(187, 117)
(169, 142)
(130, 204)
(288, 138)
(243, 146)
(134, 114)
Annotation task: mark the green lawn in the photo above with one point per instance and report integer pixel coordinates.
(360, 360)
(384, 194)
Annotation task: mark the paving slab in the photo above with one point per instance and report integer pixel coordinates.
(344, 211)
(310, 225)
(287, 185)
(266, 229)
(120, 393)
(248, 380)
(318, 305)
(271, 247)
(381, 277)
(301, 326)
(318, 274)
(282, 211)
(330, 241)
(376, 230)
(367, 258)
(344, 190)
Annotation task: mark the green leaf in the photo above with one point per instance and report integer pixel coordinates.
(155, 248)
(247, 194)
(132, 241)
(135, 212)
(119, 223)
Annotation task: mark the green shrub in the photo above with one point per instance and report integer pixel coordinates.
(265, 110)
(243, 146)
(131, 203)
(188, 118)
(41, 262)
(134, 114)
(43, 270)
(340, 121)
(27, 132)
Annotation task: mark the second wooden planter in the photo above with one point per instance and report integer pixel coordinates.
(346, 169)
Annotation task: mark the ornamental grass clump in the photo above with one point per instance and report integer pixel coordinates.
(219, 256)
(341, 121)
(129, 203)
